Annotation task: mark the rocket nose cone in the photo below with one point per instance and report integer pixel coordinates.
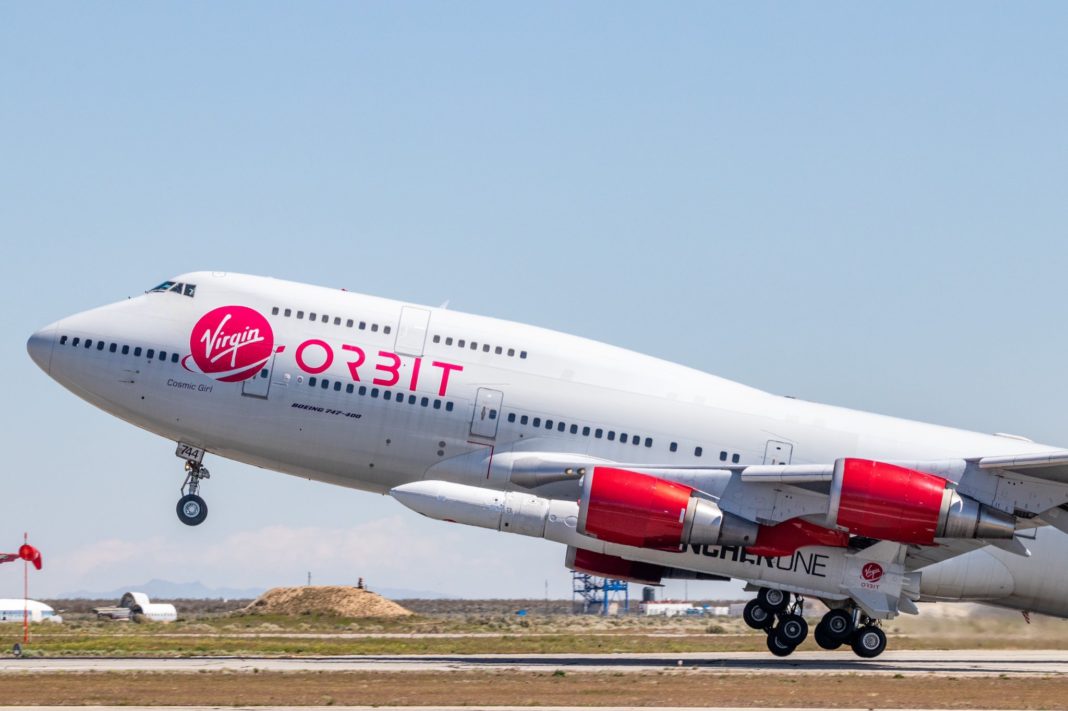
(40, 347)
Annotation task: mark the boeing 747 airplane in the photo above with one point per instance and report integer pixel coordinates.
(643, 469)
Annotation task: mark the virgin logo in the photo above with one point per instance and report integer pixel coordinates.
(230, 343)
(872, 572)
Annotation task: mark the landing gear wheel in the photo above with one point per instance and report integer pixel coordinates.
(773, 600)
(777, 647)
(824, 638)
(838, 624)
(756, 616)
(192, 510)
(869, 642)
(791, 630)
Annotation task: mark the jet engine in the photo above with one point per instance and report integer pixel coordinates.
(634, 509)
(885, 501)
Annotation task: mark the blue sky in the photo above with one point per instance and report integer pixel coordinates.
(861, 204)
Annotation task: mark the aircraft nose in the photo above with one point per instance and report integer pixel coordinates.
(40, 347)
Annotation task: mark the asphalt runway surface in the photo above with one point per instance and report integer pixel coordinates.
(949, 663)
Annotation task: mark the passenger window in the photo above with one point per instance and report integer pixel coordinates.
(485, 348)
(100, 345)
(673, 447)
(174, 357)
(287, 313)
(387, 395)
(636, 440)
(88, 342)
(574, 429)
(611, 435)
(348, 324)
(363, 325)
(337, 320)
(585, 431)
(412, 399)
(114, 347)
(523, 354)
(151, 353)
(536, 422)
(461, 343)
(599, 433)
(448, 341)
(400, 397)
(437, 339)
(312, 316)
(474, 346)
(300, 314)
(363, 390)
(385, 329)
(437, 404)
(137, 351)
(162, 356)
(498, 350)
(424, 402)
(548, 424)
(722, 456)
(648, 441)
(374, 392)
(349, 388)
(337, 386)
(125, 349)
(274, 311)
(523, 420)
(448, 407)
(374, 328)
(75, 341)
(511, 352)
(312, 381)
(325, 384)
(511, 417)
(736, 458)
(325, 319)
(698, 451)
(493, 414)
(62, 340)
(560, 426)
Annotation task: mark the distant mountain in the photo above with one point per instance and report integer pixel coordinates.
(167, 590)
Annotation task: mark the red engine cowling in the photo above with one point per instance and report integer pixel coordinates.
(889, 502)
(610, 566)
(635, 509)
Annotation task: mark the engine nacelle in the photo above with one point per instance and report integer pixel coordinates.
(888, 502)
(635, 509)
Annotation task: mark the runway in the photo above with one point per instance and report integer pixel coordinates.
(948, 663)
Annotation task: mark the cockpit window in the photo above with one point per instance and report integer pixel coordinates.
(189, 290)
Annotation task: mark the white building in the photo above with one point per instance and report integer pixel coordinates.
(14, 610)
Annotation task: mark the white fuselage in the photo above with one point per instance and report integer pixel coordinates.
(413, 389)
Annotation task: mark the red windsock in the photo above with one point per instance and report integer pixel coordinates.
(31, 554)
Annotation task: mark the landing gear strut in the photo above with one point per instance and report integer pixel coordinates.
(192, 510)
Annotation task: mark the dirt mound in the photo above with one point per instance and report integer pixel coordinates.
(337, 600)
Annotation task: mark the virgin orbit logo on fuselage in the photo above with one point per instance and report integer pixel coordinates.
(230, 344)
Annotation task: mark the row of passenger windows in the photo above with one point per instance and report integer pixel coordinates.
(351, 388)
(89, 344)
(601, 433)
(323, 318)
(474, 345)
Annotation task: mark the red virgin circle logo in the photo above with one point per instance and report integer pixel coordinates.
(230, 344)
(872, 572)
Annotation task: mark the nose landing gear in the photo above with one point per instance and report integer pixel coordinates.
(191, 509)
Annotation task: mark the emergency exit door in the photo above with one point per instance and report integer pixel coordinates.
(778, 452)
(487, 413)
(260, 384)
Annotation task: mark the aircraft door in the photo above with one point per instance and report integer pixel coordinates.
(487, 413)
(778, 452)
(259, 385)
(411, 331)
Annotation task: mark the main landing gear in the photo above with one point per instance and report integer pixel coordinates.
(782, 620)
(192, 510)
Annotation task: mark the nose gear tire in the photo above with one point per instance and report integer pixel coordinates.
(192, 510)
